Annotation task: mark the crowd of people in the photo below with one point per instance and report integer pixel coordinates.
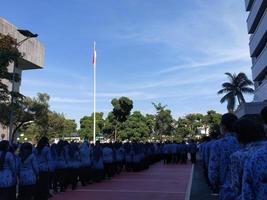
(175, 153)
(234, 162)
(235, 158)
(30, 172)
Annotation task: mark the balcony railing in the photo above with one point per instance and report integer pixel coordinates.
(255, 14)
(249, 4)
(258, 35)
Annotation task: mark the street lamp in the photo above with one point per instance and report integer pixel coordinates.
(28, 35)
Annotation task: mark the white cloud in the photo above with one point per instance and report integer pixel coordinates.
(238, 56)
(69, 100)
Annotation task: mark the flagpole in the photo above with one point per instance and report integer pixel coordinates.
(94, 92)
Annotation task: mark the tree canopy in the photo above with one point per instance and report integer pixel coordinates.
(234, 89)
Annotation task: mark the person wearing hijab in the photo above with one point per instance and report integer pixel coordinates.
(7, 171)
(108, 160)
(43, 156)
(28, 172)
(12, 149)
(73, 161)
(98, 164)
(85, 168)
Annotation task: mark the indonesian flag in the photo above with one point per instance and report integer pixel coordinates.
(94, 55)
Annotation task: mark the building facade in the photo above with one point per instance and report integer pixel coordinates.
(33, 58)
(257, 28)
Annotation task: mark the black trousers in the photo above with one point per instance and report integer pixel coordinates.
(85, 175)
(98, 175)
(193, 157)
(128, 166)
(73, 174)
(119, 166)
(42, 186)
(108, 169)
(26, 192)
(5, 193)
(13, 192)
(60, 180)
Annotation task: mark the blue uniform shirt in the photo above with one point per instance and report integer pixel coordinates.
(233, 189)
(44, 159)
(85, 155)
(255, 176)
(28, 171)
(219, 161)
(8, 172)
(206, 152)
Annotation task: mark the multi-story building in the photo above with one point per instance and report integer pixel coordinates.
(33, 57)
(257, 28)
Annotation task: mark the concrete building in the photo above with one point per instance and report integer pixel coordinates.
(33, 57)
(257, 28)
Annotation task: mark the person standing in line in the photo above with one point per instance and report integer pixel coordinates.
(73, 160)
(193, 151)
(98, 164)
(174, 152)
(208, 148)
(251, 138)
(120, 156)
(43, 156)
(12, 149)
(61, 167)
(28, 172)
(129, 157)
(108, 160)
(85, 169)
(264, 117)
(52, 169)
(183, 153)
(136, 158)
(7, 171)
(254, 180)
(219, 160)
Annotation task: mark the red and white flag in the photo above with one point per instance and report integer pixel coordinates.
(94, 55)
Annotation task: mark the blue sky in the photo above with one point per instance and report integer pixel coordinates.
(172, 51)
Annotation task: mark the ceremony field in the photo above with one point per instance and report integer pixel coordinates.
(160, 182)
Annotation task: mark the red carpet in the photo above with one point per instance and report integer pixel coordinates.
(160, 182)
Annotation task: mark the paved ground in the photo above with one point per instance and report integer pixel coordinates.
(160, 182)
(199, 189)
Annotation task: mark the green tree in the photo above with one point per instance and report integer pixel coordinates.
(234, 89)
(34, 119)
(56, 124)
(121, 110)
(9, 53)
(134, 128)
(183, 129)
(151, 123)
(87, 124)
(70, 127)
(164, 123)
(211, 119)
(110, 125)
(24, 112)
(41, 109)
(30, 131)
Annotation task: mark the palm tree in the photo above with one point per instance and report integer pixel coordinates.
(234, 89)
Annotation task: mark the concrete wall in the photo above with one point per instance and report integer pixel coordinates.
(32, 49)
(33, 57)
(250, 108)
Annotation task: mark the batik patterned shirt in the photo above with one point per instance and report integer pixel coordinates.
(8, 171)
(255, 176)
(28, 170)
(219, 161)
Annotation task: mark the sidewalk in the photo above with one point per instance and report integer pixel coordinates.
(199, 189)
